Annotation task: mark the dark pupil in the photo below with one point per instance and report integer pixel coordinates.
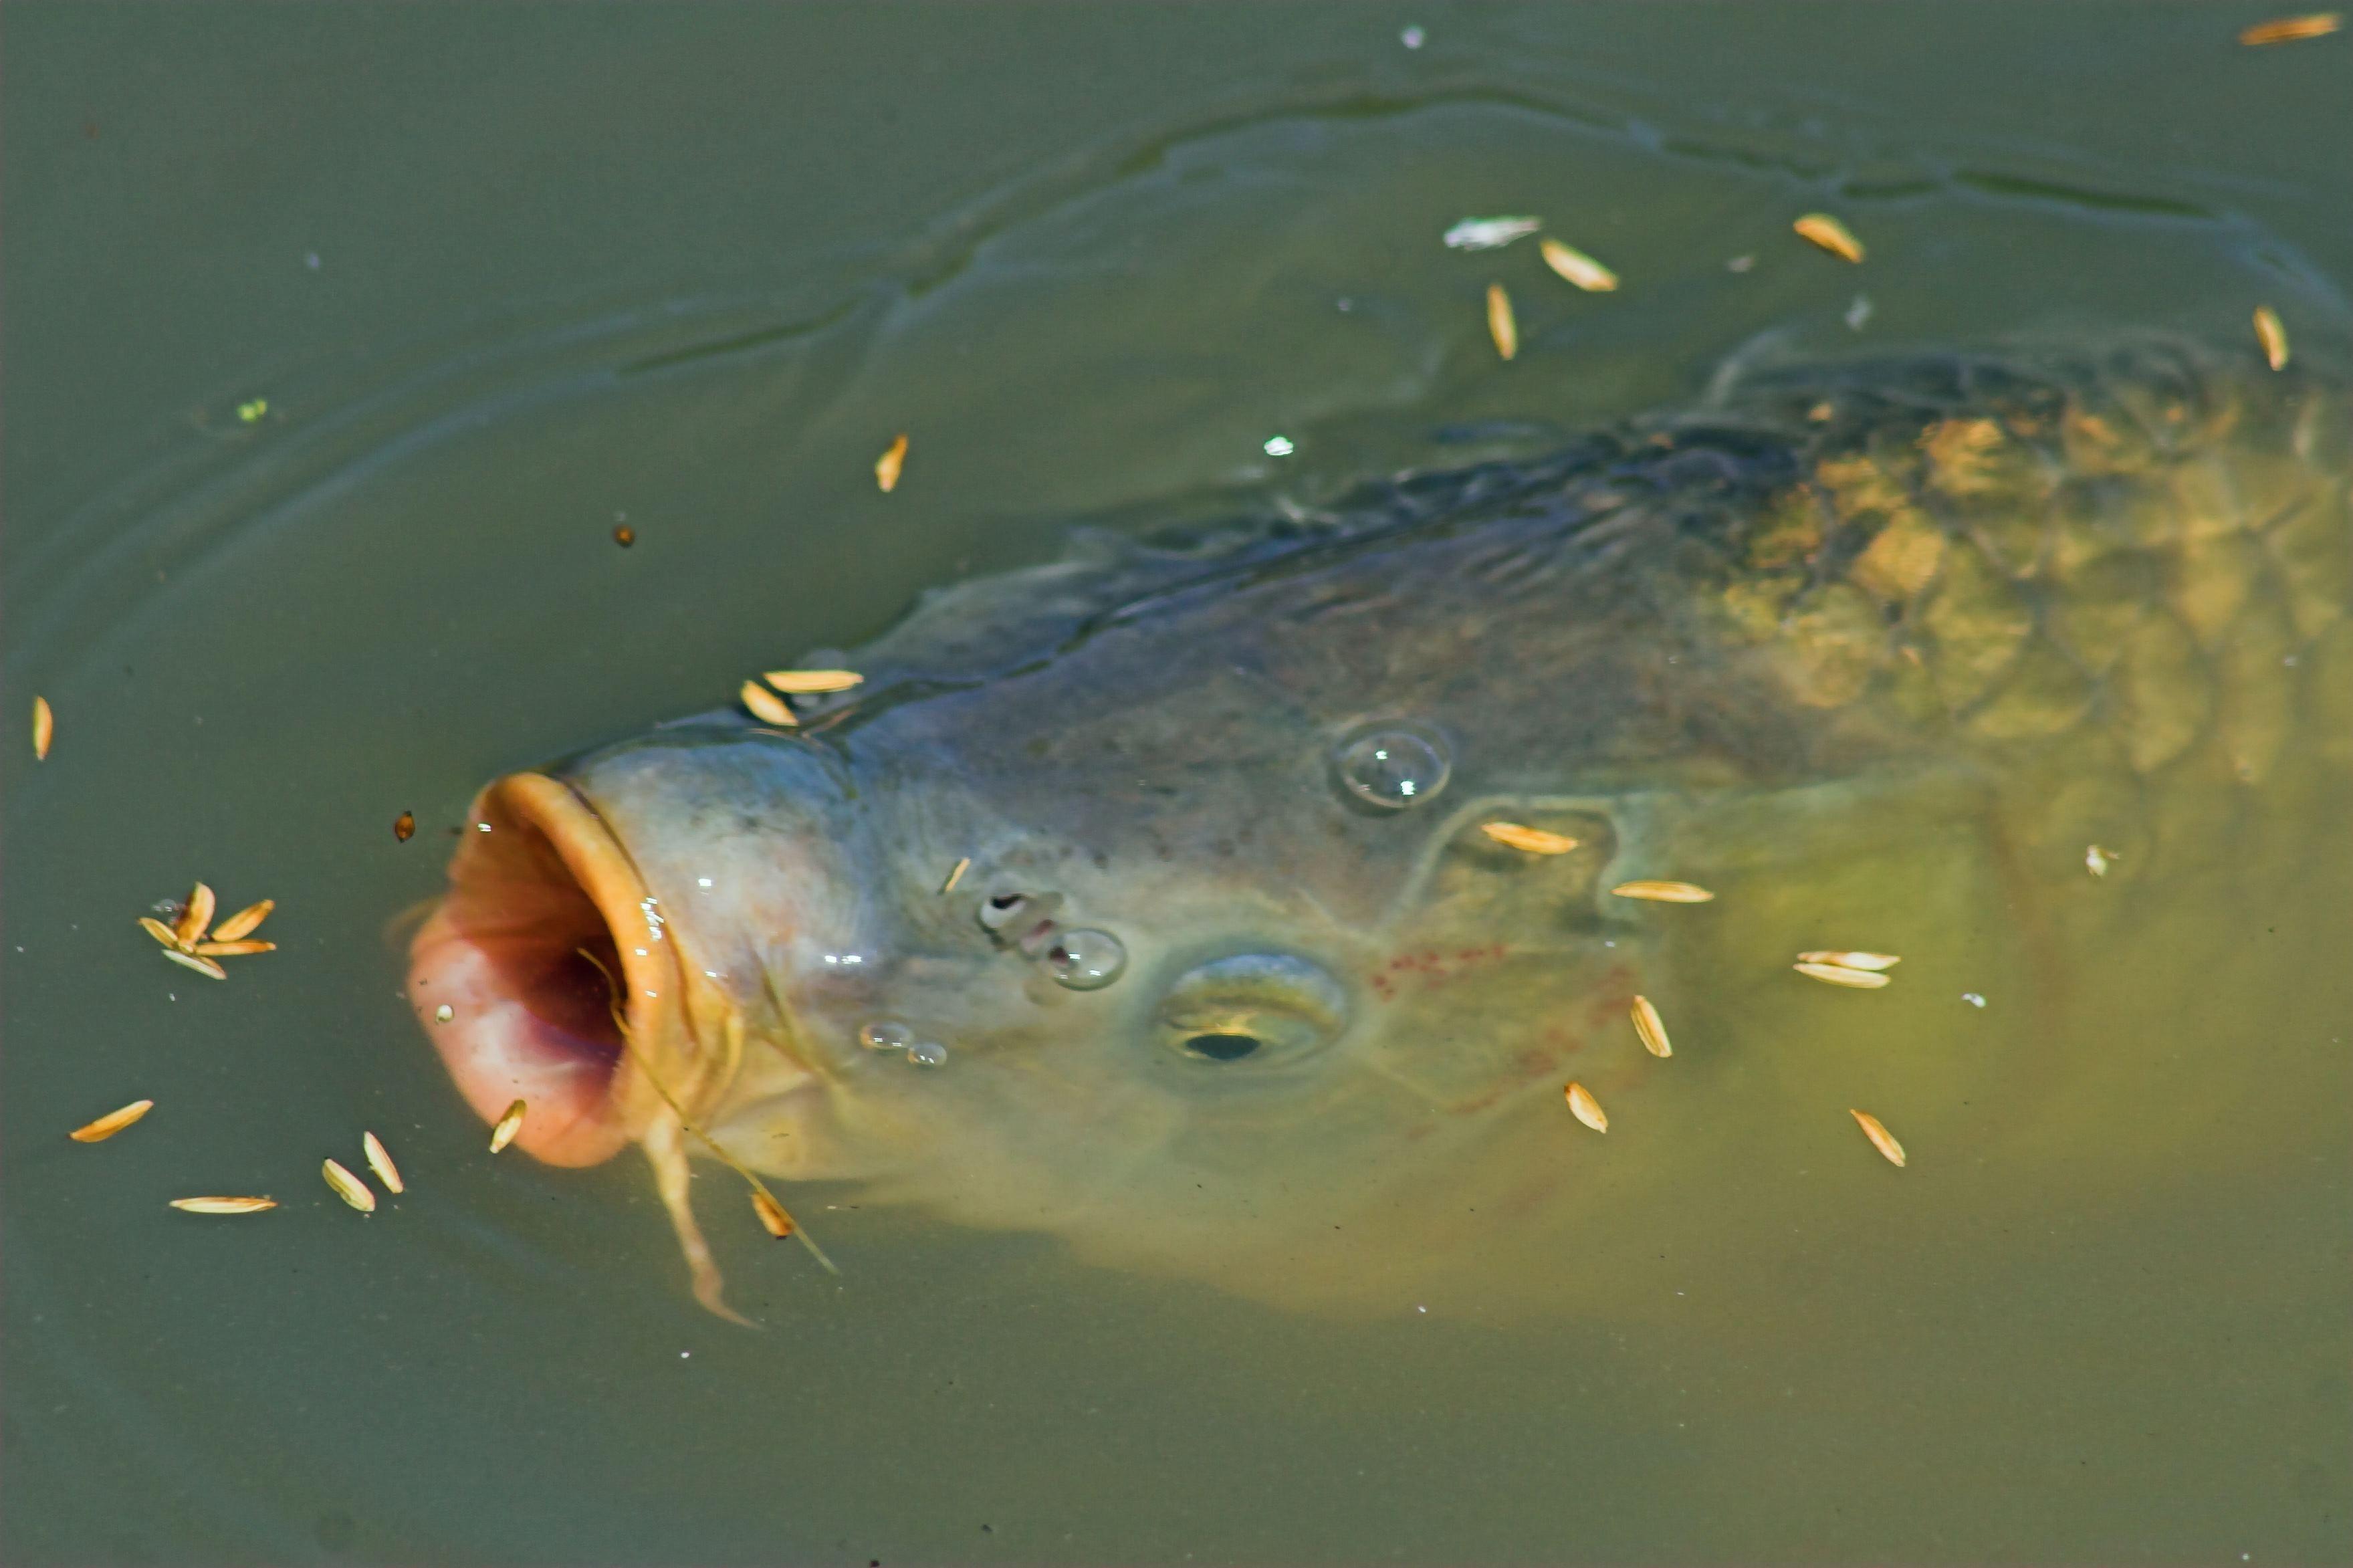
(1222, 1047)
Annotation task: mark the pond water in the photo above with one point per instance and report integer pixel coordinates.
(338, 345)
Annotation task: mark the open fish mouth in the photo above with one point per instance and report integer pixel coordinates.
(514, 974)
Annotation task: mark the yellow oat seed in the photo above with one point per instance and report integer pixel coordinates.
(886, 466)
(1500, 326)
(232, 949)
(1830, 235)
(1585, 1109)
(404, 827)
(348, 1187)
(766, 706)
(509, 1125)
(159, 931)
(1839, 974)
(112, 1122)
(379, 1160)
(1880, 1138)
(1577, 267)
(1651, 1027)
(1664, 892)
(1534, 840)
(203, 966)
(195, 916)
(2291, 29)
(1870, 960)
(804, 682)
(45, 728)
(244, 921)
(2272, 333)
(224, 1205)
(772, 1214)
(956, 874)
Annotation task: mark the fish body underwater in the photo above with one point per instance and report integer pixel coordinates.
(1231, 984)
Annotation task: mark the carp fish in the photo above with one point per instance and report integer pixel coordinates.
(1230, 982)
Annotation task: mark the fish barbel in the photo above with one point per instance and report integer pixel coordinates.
(1229, 982)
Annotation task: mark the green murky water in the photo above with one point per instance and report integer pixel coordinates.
(337, 344)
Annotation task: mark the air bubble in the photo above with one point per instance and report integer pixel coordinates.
(886, 1036)
(1393, 767)
(928, 1054)
(1085, 960)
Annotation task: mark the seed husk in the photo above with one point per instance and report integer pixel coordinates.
(1839, 974)
(348, 1187)
(195, 916)
(233, 949)
(1830, 235)
(2272, 333)
(509, 1125)
(1664, 892)
(1534, 840)
(159, 931)
(45, 728)
(956, 874)
(404, 827)
(1577, 267)
(1880, 1138)
(886, 466)
(112, 1122)
(379, 1160)
(766, 706)
(2290, 29)
(807, 683)
(224, 1205)
(205, 966)
(243, 922)
(1585, 1109)
(1500, 326)
(1651, 1027)
(772, 1213)
(1870, 960)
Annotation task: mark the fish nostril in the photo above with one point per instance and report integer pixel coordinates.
(1222, 1047)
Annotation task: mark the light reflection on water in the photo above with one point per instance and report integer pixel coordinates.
(2108, 1330)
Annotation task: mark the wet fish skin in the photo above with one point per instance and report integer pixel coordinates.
(2027, 580)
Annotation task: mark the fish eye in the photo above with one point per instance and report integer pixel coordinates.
(1263, 1006)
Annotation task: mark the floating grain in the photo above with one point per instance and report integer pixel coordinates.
(159, 931)
(224, 1205)
(1500, 326)
(1585, 1109)
(509, 1125)
(1577, 267)
(233, 949)
(1664, 892)
(772, 1213)
(1651, 1027)
(956, 874)
(766, 706)
(624, 535)
(2272, 333)
(195, 916)
(379, 1160)
(243, 922)
(1880, 1138)
(886, 466)
(404, 827)
(45, 728)
(1868, 961)
(1533, 840)
(203, 966)
(2292, 29)
(348, 1187)
(810, 682)
(1830, 235)
(1839, 974)
(112, 1122)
